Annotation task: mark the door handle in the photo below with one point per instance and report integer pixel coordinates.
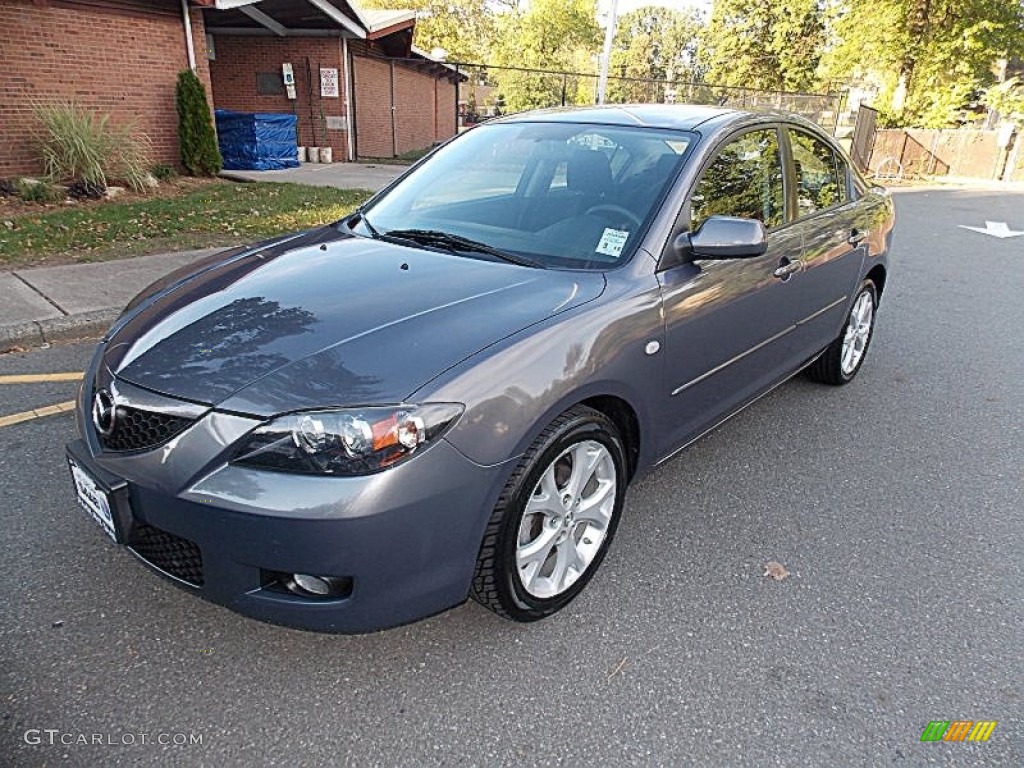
(856, 237)
(783, 271)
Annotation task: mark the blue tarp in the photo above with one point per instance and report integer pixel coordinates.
(256, 141)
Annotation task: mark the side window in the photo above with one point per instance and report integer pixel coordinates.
(815, 166)
(744, 180)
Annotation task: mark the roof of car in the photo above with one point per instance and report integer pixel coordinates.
(680, 116)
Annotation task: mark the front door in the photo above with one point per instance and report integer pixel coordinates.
(727, 328)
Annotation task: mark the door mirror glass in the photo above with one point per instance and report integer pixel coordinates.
(723, 237)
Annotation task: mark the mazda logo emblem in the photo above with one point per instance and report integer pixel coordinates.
(104, 412)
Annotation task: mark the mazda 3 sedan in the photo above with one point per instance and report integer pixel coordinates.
(445, 394)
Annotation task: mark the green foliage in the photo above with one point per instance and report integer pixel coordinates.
(927, 56)
(216, 213)
(78, 144)
(163, 172)
(199, 151)
(1007, 99)
(463, 28)
(553, 35)
(38, 192)
(653, 43)
(766, 45)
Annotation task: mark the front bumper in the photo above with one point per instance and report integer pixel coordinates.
(407, 538)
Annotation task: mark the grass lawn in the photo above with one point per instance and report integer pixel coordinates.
(187, 215)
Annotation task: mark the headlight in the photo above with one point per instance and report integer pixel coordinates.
(349, 441)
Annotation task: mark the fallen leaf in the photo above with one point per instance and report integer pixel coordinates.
(618, 668)
(776, 570)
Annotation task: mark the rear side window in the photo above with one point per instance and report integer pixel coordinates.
(816, 167)
(744, 180)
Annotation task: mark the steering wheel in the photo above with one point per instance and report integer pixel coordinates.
(609, 208)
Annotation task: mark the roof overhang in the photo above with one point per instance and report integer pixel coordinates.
(285, 18)
(383, 23)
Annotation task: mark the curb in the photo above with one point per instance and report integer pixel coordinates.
(78, 326)
(229, 176)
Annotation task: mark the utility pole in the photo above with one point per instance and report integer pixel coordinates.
(606, 57)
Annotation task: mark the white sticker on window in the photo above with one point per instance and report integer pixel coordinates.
(612, 242)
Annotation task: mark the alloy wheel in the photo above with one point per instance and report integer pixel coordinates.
(858, 331)
(566, 519)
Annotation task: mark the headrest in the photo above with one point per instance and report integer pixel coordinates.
(588, 171)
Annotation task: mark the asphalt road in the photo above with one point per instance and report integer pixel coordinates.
(895, 503)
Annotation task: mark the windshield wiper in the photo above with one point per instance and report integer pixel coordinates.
(453, 242)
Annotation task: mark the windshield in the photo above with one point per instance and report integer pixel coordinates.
(553, 194)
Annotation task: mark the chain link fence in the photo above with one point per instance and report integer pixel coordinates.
(490, 90)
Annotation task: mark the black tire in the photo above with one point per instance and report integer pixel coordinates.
(828, 368)
(496, 582)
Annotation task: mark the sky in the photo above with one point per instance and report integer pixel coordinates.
(625, 6)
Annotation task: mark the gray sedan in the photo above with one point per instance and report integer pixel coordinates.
(445, 394)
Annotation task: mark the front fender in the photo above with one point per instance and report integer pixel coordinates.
(515, 388)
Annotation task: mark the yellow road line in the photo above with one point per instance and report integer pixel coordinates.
(47, 410)
(36, 378)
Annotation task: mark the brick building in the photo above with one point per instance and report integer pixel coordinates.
(123, 57)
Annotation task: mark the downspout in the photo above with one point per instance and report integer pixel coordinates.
(349, 112)
(394, 135)
(189, 46)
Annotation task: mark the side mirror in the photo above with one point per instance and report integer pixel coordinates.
(722, 237)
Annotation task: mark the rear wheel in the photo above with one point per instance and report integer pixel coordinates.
(842, 358)
(555, 518)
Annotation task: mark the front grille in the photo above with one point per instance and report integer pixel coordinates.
(172, 554)
(137, 430)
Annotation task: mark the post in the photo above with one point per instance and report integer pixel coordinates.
(458, 79)
(563, 88)
(606, 56)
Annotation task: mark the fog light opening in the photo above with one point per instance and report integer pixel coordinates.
(308, 585)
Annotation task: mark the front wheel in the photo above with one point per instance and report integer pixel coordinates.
(842, 358)
(555, 518)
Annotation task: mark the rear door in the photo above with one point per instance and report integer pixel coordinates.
(833, 255)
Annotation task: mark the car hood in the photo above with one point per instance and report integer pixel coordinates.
(327, 319)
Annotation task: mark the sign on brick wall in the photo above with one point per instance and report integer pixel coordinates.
(329, 83)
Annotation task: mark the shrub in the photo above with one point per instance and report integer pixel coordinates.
(7, 188)
(38, 191)
(79, 144)
(163, 172)
(199, 151)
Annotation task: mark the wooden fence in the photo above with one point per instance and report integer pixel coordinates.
(916, 152)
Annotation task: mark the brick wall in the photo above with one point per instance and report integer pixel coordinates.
(424, 108)
(122, 59)
(240, 59)
(445, 110)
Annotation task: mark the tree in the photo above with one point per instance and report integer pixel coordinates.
(1007, 99)
(463, 28)
(766, 45)
(198, 141)
(553, 35)
(929, 57)
(653, 43)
